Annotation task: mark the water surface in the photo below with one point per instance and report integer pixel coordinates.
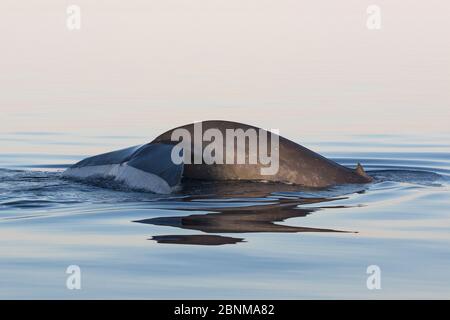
(226, 240)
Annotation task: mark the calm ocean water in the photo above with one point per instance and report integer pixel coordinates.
(226, 240)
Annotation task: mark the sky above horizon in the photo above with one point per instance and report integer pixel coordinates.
(140, 67)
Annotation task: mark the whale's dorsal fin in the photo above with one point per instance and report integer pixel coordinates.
(360, 171)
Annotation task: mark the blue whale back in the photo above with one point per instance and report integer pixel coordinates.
(114, 157)
(148, 167)
(156, 159)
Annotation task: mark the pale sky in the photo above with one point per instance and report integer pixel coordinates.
(298, 66)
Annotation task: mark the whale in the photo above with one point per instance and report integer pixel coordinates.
(151, 167)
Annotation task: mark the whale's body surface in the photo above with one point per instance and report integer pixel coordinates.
(150, 166)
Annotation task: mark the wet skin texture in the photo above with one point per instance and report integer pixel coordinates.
(297, 164)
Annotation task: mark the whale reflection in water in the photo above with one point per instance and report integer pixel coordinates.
(245, 218)
(197, 239)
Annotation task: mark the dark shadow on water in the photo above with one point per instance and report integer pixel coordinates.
(243, 220)
(235, 217)
(197, 239)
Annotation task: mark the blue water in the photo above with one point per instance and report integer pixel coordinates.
(226, 240)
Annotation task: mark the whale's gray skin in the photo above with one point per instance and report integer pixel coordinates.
(297, 164)
(150, 166)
